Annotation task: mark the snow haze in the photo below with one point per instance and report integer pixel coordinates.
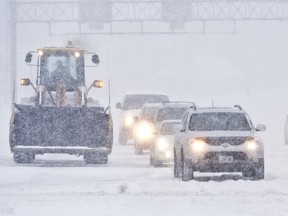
(249, 68)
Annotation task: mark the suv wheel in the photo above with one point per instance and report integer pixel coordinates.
(122, 139)
(156, 163)
(151, 157)
(187, 172)
(256, 173)
(177, 166)
(138, 150)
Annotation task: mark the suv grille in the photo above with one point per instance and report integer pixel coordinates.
(214, 156)
(217, 141)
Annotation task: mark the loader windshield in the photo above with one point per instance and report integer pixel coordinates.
(64, 67)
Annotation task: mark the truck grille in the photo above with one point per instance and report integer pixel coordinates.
(217, 141)
(214, 156)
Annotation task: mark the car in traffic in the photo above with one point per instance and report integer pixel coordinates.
(130, 110)
(167, 111)
(161, 150)
(218, 140)
(144, 128)
(171, 111)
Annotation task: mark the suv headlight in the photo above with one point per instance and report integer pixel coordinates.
(162, 144)
(197, 145)
(252, 145)
(144, 130)
(128, 121)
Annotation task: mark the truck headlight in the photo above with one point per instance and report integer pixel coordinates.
(252, 145)
(128, 121)
(162, 144)
(143, 130)
(197, 145)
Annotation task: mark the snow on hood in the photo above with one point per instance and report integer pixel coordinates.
(223, 133)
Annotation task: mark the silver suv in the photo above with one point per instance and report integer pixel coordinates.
(218, 140)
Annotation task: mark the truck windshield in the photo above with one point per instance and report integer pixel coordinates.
(137, 101)
(61, 66)
(219, 122)
(172, 113)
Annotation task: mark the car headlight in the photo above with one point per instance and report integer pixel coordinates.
(252, 145)
(128, 121)
(144, 130)
(162, 144)
(197, 145)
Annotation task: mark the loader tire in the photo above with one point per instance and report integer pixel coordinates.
(91, 158)
(23, 157)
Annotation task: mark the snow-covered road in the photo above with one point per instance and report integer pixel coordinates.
(129, 186)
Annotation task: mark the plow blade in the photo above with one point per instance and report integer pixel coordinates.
(40, 127)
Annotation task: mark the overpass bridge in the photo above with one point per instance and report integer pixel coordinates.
(126, 17)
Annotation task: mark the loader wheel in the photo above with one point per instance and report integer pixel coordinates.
(23, 157)
(92, 158)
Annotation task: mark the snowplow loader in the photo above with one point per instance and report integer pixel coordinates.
(60, 118)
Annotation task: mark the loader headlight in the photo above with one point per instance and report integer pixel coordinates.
(25, 82)
(252, 145)
(144, 130)
(40, 53)
(162, 144)
(198, 145)
(128, 121)
(77, 54)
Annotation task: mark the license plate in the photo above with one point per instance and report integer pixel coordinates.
(225, 159)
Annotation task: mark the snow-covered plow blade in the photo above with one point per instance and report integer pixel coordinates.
(73, 130)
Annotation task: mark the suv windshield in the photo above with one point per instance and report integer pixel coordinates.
(149, 113)
(219, 122)
(137, 101)
(169, 128)
(172, 113)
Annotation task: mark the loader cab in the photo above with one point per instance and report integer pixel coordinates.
(66, 66)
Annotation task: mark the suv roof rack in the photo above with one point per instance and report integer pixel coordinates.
(238, 107)
(178, 102)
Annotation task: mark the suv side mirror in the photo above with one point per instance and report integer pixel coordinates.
(118, 105)
(180, 128)
(260, 127)
(95, 59)
(28, 58)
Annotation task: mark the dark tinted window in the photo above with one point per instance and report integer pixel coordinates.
(219, 122)
(137, 101)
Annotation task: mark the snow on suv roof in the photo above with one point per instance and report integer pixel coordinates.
(171, 121)
(146, 93)
(176, 104)
(153, 104)
(219, 109)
